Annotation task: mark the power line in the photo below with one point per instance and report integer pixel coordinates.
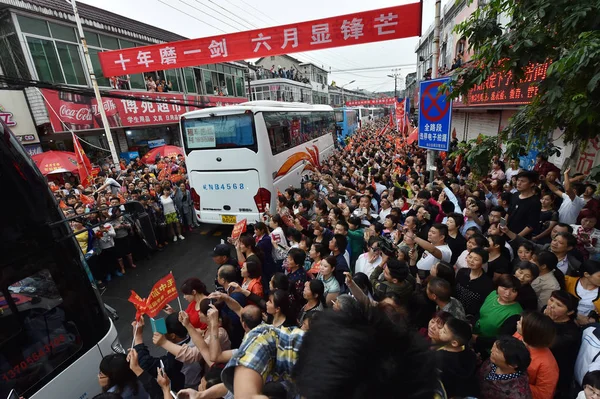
(226, 10)
(212, 16)
(371, 68)
(197, 19)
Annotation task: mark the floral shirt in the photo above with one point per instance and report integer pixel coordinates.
(502, 386)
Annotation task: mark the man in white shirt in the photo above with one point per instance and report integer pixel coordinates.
(109, 182)
(572, 204)
(435, 248)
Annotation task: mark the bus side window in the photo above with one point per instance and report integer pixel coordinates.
(35, 334)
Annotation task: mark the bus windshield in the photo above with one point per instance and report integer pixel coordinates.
(216, 132)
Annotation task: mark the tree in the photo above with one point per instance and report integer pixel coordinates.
(564, 32)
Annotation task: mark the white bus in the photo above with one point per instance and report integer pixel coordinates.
(239, 156)
(54, 330)
(365, 115)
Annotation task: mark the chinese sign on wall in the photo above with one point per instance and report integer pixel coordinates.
(364, 27)
(500, 89)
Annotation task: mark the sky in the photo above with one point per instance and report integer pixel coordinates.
(192, 19)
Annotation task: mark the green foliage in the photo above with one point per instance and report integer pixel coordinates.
(479, 153)
(565, 32)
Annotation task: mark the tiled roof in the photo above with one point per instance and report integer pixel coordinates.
(93, 17)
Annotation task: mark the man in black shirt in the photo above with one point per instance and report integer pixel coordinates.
(525, 206)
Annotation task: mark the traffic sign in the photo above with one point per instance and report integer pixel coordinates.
(435, 115)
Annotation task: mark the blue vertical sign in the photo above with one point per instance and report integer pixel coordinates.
(435, 115)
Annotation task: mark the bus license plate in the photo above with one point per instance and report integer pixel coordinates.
(229, 219)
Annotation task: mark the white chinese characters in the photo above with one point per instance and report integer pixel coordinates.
(144, 58)
(261, 40)
(386, 21)
(352, 29)
(168, 55)
(290, 35)
(320, 34)
(122, 61)
(218, 48)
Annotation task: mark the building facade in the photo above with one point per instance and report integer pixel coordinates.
(285, 78)
(489, 106)
(39, 42)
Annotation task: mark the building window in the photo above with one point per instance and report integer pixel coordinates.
(92, 38)
(190, 80)
(109, 42)
(102, 81)
(45, 60)
(63, 32)
(239, 85)
(137, 81)
(71, 63)
(208, 83)
(33, 26)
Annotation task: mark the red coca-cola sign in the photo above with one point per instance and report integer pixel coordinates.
(70, 111)
(76, 113)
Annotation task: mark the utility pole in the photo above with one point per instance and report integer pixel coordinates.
(396, 74)
(434, 73)
(99, 104)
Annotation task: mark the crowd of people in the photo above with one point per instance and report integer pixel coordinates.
(279, 72)
(107, 234)
(373, 281)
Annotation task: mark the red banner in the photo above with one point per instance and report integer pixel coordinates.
(163, 292)
(375, 101)
(238, 229)
(84, 166)
(345, 30)
(80, 112)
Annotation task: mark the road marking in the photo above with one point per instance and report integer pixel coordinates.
(217, 233)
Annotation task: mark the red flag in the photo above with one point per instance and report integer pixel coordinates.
(139, 303)
(163, 292)
(62, 204)
(85, 200)
(84, 166)
(239, 228)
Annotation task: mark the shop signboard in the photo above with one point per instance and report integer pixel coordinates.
(74, 112)
(14, 112)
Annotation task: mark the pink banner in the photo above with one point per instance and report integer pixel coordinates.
(375, 101)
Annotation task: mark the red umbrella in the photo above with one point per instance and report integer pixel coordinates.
(413, 136)
(163, 151)
(55, 162)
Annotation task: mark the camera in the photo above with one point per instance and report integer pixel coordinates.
(387, 246)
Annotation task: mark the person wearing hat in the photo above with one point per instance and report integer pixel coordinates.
(562, 309)
(525, 206)
(395, 274)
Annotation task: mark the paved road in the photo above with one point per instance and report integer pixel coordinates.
(188, 258)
